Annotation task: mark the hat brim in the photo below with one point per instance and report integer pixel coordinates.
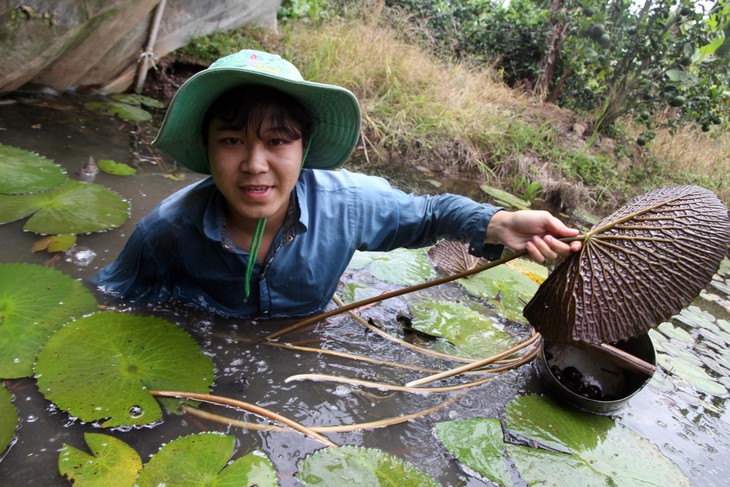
(335, 111)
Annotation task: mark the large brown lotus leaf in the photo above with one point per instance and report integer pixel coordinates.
(637, 268)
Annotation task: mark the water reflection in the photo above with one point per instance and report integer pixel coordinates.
(690, 427)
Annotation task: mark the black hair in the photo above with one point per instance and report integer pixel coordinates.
(249, 106)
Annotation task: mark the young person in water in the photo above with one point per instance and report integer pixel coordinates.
(270, 233)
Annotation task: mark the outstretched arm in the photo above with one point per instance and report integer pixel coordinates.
(536, 231)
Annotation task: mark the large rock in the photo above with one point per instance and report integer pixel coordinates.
(97, 44)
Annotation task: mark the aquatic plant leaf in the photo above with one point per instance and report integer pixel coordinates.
(125, 111)
(554, 469)
(22, 171)
(472, 333)
(111, 462)
(502, 285)
(135, 99)
(116, 168)
(55, 243)
(637, 268)
(75, 207)
(478, 444)
(607, 449)
(405, 267)
(451, 257)
(100, 367)
(201, 459)
(8, 419)
(686, 372)
(34, 302)
(358, 466)
(503, 198)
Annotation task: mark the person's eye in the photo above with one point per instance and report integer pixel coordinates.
(231, 141)
(276, 141)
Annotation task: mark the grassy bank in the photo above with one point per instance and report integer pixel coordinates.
(452, 118)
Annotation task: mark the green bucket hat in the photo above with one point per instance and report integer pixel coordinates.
(335, 110)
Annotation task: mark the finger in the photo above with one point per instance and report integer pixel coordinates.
(534, 254)
(543, 245)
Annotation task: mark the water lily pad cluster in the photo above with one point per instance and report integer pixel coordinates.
(37, 188)
(133, 108)
(566, 447)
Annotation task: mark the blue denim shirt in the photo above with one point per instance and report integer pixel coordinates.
(180, 251)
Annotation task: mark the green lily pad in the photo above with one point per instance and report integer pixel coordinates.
(75, 207)
(404, 267)
(555, 469)
(201, 459)
(25, 172)
(111, 462)
(125, 111)
(8, 419)
(503, 198)
(478, 444)
(503, 286)
(55, 243)
(353, 466)
(611, 454)
(35, 301)
(685, 372)
(118, 357)
(473, 334)
(360, 260)
(116, 168)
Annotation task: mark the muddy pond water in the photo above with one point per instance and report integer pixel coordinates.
(683, 410)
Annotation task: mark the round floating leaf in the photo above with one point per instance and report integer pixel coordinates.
(471, 332)
(8, 419)
(135, 99)
(55, 243)
(404, 267)
(100, 367)
(451, 257)
(116, 168)
(478, 444)
(509, 288)
(201, 459)
(353, 466)
(74, 207)
(594, 446)
(637, 268)
(24, 172)
(111, 462)
(34, 302)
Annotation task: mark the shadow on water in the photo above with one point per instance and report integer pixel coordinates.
(689, 427)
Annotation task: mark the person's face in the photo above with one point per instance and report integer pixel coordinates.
(255, 175)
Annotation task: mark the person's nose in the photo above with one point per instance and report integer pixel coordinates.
(253, 160)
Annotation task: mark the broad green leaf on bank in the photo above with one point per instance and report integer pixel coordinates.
(125, 111)
(35, 301)
(116, 168)
(202, 459)
(135, 99)
(503, 198)
(117, 358)
(22, 171)
(8, 419)
(478, 444)
(111, 462)
(403, 267)
(472, 333)
(75, 207)
(354, 466)
(611, 453)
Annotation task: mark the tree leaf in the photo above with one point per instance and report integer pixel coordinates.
(608, 451)
(478, 444)
(354, 466)
(111, 462)
(75, 207)
(118, 357)
(200, 459)
(25, 172)
(8, 419)
(34, 302)
(637, 268)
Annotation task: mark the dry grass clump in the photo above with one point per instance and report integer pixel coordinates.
(413, 105)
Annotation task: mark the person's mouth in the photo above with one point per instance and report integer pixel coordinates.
(256, 191)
